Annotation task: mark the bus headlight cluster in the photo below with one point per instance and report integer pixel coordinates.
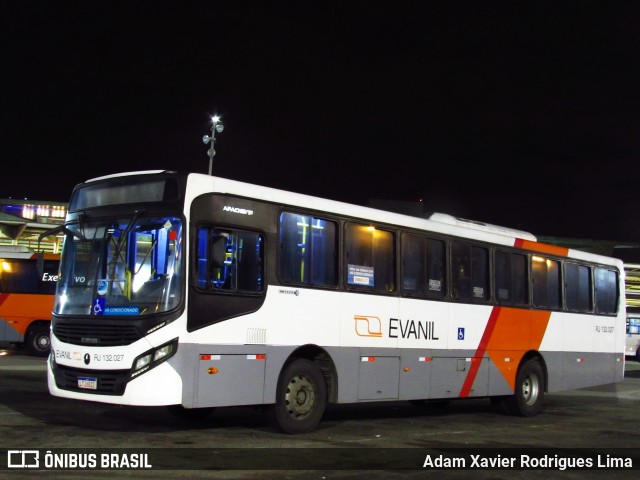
(154, 357)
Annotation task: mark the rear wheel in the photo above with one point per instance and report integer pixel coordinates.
(301, 398)
(638, 355)
(526, 401)
(38, 340)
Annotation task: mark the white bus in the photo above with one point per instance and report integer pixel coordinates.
(633, 336)
(195, 292)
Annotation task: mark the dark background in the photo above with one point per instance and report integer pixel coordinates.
(520, 114)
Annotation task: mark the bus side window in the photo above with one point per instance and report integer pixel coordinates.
(511, 278)
(469, 271)
(230, 260)
(436, 268)
(202, 264)
(218, 251)
(546, 282)
(222, 274)
(369, 258)
(308, 249)
(479, 273)
(461, 270)
(413, 264)
(606, 282)
(577, 287)
(423, 266)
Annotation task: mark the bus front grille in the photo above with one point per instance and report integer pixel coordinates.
(96, 335)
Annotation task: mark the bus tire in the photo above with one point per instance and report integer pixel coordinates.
(638, 355)
(301, 398)
(38, 340)
(526, 400)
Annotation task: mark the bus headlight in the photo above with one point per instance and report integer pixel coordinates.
(154, 357)
(142, 362)
(162, 352)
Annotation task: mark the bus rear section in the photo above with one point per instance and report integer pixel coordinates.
(27, 289)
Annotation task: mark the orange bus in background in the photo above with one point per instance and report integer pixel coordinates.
(27, 288)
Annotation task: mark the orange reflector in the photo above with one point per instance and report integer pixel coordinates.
(406, 369)
(212, 370)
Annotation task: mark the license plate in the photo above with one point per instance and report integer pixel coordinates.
(88, 383)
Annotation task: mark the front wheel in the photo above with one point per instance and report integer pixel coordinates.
(38, 340)
(301, 398)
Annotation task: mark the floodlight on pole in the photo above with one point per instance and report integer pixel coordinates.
(216, 126)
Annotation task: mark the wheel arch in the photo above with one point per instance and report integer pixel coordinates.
(537, 356)
(34, 331)
(35, 324)
(324, 361)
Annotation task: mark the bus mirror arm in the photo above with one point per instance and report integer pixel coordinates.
(48, 233)
(40, 252)
(55, 231)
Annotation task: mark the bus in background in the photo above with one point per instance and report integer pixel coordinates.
(195, 292)
(27, 289)
(632, 287)
(633, 336)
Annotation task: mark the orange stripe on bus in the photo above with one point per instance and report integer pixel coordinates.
(509, 334)
(517, 331)
(541, 247)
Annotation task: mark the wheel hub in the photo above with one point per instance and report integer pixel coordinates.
(300, 396)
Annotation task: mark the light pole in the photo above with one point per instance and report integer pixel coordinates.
(216, 126)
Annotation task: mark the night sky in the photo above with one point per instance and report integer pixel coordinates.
(520, 114)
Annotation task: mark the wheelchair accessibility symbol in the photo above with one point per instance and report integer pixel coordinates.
(98, 306)
(460, 333)
(103, 286)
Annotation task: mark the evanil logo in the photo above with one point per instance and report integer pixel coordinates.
(243, 211)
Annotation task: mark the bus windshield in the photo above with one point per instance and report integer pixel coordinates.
(126, 266)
